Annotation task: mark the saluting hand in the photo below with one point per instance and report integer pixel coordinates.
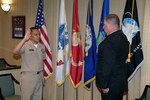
(27, 36)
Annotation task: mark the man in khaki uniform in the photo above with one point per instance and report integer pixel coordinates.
(33, 54)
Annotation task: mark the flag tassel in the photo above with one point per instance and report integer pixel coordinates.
(129, 56)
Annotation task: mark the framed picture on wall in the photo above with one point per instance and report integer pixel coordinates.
(18, 27)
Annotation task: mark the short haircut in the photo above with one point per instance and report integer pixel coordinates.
(114, 19)
(31, 28)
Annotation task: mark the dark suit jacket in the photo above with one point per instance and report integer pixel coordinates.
(111, 69)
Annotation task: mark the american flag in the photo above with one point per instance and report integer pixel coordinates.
(40, 24)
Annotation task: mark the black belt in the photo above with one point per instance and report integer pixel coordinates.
(36, 72)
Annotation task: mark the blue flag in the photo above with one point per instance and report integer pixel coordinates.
(105, 12)
(90, 57)
(130, 28)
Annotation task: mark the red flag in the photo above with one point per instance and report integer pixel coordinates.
(40, 24)
(76, 49)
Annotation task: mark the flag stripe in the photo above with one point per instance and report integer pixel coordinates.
(45, 42)
(48, 69)
(45, 39)
(47, 52)
(44, 33)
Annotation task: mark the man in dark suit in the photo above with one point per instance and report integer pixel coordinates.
(111, 69)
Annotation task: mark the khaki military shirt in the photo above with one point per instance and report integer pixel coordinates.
(32, 57)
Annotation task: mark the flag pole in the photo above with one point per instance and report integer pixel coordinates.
(92, 91)
(127, 97)
(129, 54)
(64, 91)
(76, 93)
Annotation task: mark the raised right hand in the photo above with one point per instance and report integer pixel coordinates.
(27, 35)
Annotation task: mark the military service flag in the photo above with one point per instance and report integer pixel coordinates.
(130, 28)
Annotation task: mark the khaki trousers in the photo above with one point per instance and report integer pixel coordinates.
(32, 85)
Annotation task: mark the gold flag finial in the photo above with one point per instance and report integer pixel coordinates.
(129, 55)
(86, 54)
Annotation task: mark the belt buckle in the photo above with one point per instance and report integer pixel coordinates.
(38, 72)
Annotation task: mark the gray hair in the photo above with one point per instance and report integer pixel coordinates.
(114, 19)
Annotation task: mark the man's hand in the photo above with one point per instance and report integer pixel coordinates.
(27, 35)
(21, 43)
(105, 90)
